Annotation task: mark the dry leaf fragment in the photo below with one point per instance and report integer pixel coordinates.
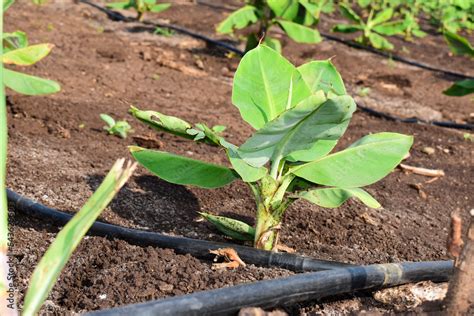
(423, 171)
(230, 255)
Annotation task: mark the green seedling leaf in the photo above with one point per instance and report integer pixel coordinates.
(28, 55)
(7, 4)
(322, 75)
(286, 9)
(29, 85)
(458, 44)
(381, 17)
(300, 33)
(15, 40)
(117, 128)
(49, 268)
(313, 119)
(390, 28)
(460, 88)
(108, 120)
(379, 42)
(238, 20)
(161, 122)
(247, 172)
(159, 7)
(364, 162)
(265, 85)
(231, 227)
(182, 170)
(273, 43)
(320, 149)
(349, 14)
(335, 197)
(346, 28)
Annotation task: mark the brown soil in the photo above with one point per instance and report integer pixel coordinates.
(59, 154)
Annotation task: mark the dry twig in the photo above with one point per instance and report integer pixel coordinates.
(423, 171)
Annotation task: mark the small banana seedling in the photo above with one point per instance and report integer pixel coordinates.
(141, 6)
(298, 114)
(117, 128)
(17, 51)
(297, 18)
(459, 46)
(377, 25)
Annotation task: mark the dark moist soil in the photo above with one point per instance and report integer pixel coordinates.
(59, 153)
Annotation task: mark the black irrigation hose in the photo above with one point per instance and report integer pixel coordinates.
(290, 290)
(195, 247)
(116, 16)
(396, 57)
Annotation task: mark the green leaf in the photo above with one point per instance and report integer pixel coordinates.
(311, 8)
(247, 172)
(335, 197)
(108, 120)
(347, 28)
(348, 13)
(119, 5)
(364, 162)
(286, 9)
(182, 170)
(458, 44)
(238, 19)
(7, 4)
(265, 85)
(379, 42)
(300, 33)
(299, 128)
(381, 17)
(390, 28)
(231, 227)
(159, 7)
(29, 85)
(273, 43)
(15, 40)
(460, 88)
(49, 268)
(322, 75)
(161, 122)
(28, 55)
(320, 149)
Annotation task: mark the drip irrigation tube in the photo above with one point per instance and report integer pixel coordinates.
(290, 290)
(116, 16)
(195, 247)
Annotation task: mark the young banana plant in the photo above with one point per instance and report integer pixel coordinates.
(16, 51)
(297, 18)
(298, 114)
(141, 6)
(373, 30)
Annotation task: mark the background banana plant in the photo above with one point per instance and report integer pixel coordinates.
(297, 18)
(141, 6)
(299, 114)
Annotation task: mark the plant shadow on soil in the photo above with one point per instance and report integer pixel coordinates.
(134, 203)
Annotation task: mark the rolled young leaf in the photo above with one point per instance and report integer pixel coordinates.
(460, 88)
(322, 75)
(299, 128)
(335, 197)
(161, 122)
(300, 33)
(49, 268)
(29, 85)
(231, 227)
(28, 55)
(238, 20)
(265, 85)
(182, 170)
(364, 162)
